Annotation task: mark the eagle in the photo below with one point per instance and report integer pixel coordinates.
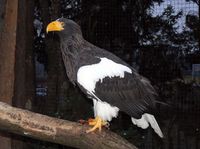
(111, 83)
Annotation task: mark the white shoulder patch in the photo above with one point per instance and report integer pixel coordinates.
(88, 75)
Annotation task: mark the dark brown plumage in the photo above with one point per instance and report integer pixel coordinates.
(109, 81)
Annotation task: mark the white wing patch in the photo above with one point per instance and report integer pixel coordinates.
(89, 75)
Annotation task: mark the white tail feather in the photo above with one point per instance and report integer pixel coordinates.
(145, 121)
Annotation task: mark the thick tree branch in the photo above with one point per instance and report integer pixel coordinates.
(55, 130)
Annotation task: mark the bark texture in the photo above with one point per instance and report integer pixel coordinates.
(7, 54)
(59, 131)
(8, 27)
(24, 65)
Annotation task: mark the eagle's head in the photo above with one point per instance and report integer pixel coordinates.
(64, 27)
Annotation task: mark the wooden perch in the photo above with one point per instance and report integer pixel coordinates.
(55, 130)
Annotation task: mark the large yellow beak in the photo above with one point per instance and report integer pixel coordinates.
(55, 26)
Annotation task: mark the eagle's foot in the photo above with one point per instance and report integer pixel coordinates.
(96, 123)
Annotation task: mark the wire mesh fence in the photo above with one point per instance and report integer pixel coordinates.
(159, 38)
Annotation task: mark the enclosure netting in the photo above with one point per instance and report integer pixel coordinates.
(160, 39)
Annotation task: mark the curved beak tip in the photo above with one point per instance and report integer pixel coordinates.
(54, 26)
(47, 30)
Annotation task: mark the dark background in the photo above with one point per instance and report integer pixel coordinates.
(159, 38)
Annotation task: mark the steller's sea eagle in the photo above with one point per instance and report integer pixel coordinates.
(111, 83)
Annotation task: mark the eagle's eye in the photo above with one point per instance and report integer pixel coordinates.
(62, 24)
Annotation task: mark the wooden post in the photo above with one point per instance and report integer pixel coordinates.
(7, 59)
(2, 13)
(42, 127)
(24, 71)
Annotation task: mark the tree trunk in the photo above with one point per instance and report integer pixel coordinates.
(24, 66)
(2, 14)
(19, 84)
(7, 56)
(59, 131)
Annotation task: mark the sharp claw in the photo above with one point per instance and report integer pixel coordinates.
(97, 123)
(92, 123)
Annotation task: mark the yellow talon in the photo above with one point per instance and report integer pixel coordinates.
(97, 123)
